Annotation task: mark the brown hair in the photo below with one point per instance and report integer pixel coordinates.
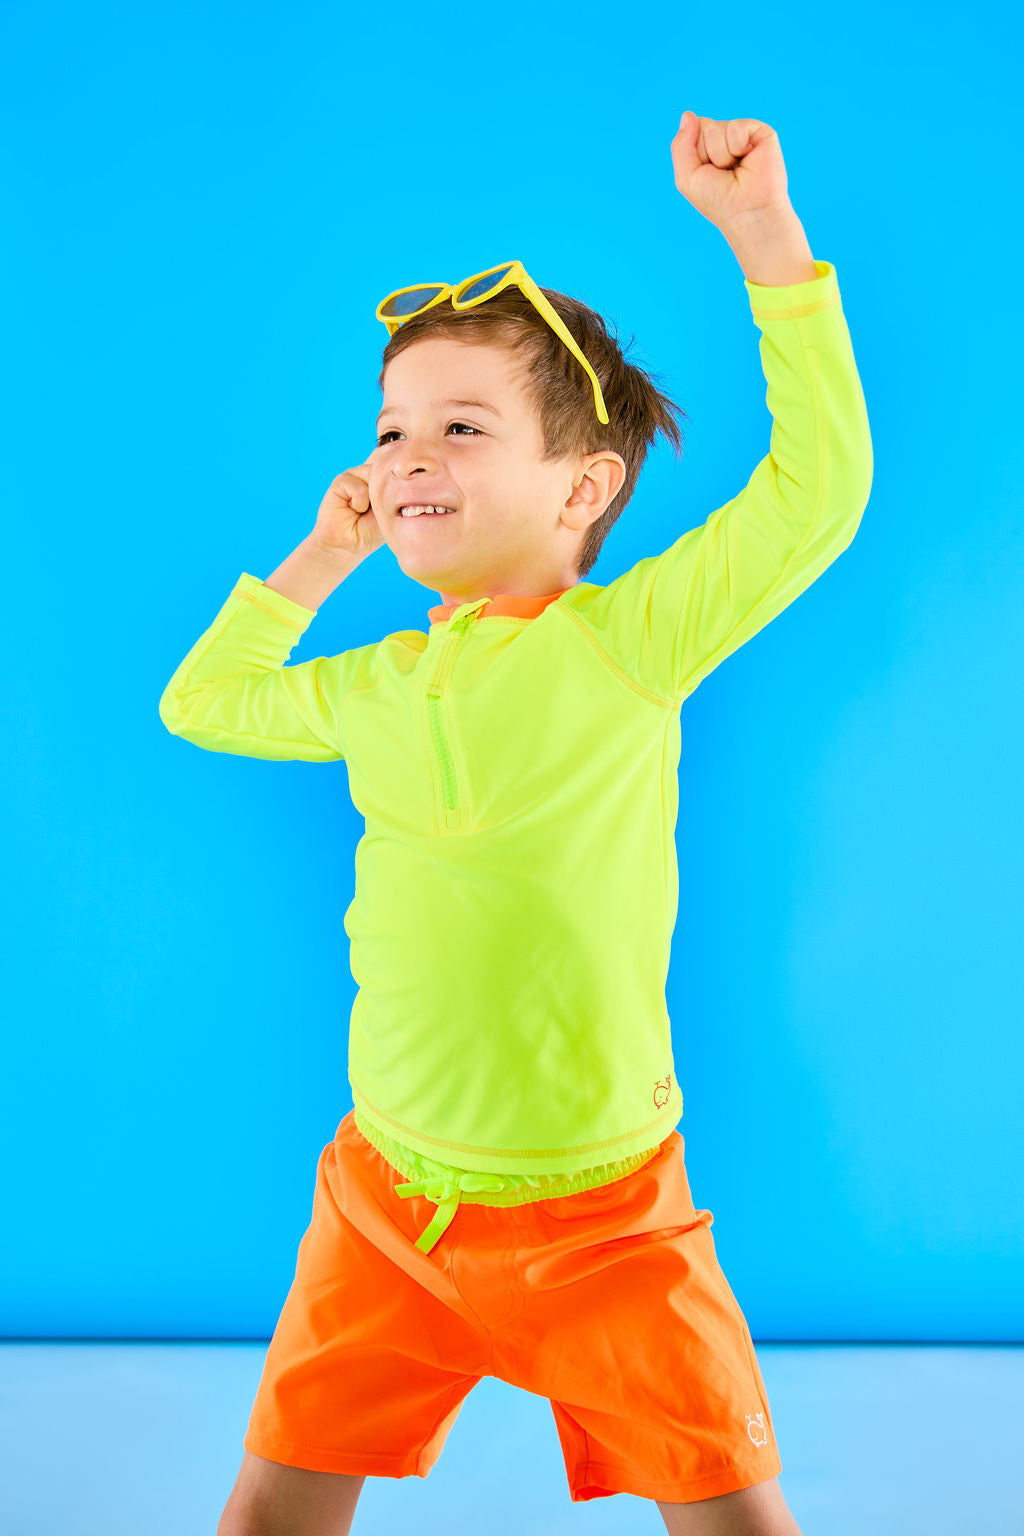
(558, 389)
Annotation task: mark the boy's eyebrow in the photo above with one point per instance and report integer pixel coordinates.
(389, 410)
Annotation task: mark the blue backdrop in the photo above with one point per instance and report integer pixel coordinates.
(201, 213)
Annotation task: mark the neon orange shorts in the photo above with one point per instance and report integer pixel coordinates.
(609, 1302)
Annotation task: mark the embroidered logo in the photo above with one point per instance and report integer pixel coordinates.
(662, 1092)
(756, 1429)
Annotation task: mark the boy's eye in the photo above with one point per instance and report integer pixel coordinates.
(393, 432)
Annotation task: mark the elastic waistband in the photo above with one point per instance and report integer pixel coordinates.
(446, 1187)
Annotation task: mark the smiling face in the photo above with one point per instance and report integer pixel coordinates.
(518, 522)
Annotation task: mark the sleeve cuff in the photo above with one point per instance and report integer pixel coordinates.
(791, 299)
(252, 590)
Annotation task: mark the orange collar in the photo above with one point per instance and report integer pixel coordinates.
(502, 604)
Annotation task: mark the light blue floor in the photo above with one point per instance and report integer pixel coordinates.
(145, 1440)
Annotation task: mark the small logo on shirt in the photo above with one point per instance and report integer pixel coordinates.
(756, 1429)
(662, 1092)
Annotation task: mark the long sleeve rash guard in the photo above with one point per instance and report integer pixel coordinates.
(516, 766)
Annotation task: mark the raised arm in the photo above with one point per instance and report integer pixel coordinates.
(675, 616)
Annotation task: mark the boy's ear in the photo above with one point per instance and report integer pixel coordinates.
(602, 477)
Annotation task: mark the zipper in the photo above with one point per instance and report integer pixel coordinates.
(458, 628)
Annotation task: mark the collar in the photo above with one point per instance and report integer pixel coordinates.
(503, 604)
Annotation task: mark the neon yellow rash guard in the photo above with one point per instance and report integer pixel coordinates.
(517, 769)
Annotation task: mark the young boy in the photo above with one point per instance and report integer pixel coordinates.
(508, 1195)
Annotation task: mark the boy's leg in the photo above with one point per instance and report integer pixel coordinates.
(270, 1499)
(759, 1510)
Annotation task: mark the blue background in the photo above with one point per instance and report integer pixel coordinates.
(201, 213)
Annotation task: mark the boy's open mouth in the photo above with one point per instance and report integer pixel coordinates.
(416, 510)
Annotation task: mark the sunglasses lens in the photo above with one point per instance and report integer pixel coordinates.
(483, 284)
(409, 302)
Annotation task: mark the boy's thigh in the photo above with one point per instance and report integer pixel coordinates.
(271, 1499)
(760, 1510)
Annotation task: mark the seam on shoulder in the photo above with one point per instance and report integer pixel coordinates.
(610, 663)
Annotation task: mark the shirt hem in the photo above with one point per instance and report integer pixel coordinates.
(520, 1188)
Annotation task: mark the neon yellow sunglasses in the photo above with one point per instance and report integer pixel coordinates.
(406, 302)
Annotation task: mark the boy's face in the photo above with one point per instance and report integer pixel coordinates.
(518, 523)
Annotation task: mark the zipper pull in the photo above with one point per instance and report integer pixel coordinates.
(465, 616)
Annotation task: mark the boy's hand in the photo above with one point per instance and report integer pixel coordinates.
(346, 521)
(732, 172)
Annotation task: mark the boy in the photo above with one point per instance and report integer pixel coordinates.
(508, 1195)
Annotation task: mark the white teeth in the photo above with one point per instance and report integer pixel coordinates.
(415, 511)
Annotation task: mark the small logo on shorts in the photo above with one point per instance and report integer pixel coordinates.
(756, 1429)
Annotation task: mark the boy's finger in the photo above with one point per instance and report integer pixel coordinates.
(685, 159)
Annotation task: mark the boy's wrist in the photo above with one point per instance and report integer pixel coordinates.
(330, 553)
(312, 572)
(772, 249)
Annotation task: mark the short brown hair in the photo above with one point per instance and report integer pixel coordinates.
(558, 389)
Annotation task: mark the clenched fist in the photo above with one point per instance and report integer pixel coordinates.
(732, 172)
(346, 520)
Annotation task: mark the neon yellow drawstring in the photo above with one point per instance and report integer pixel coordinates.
(445, 1193)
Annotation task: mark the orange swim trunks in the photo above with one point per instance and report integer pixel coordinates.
(609, 1302)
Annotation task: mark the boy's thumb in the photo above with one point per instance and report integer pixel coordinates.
(685, 158)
